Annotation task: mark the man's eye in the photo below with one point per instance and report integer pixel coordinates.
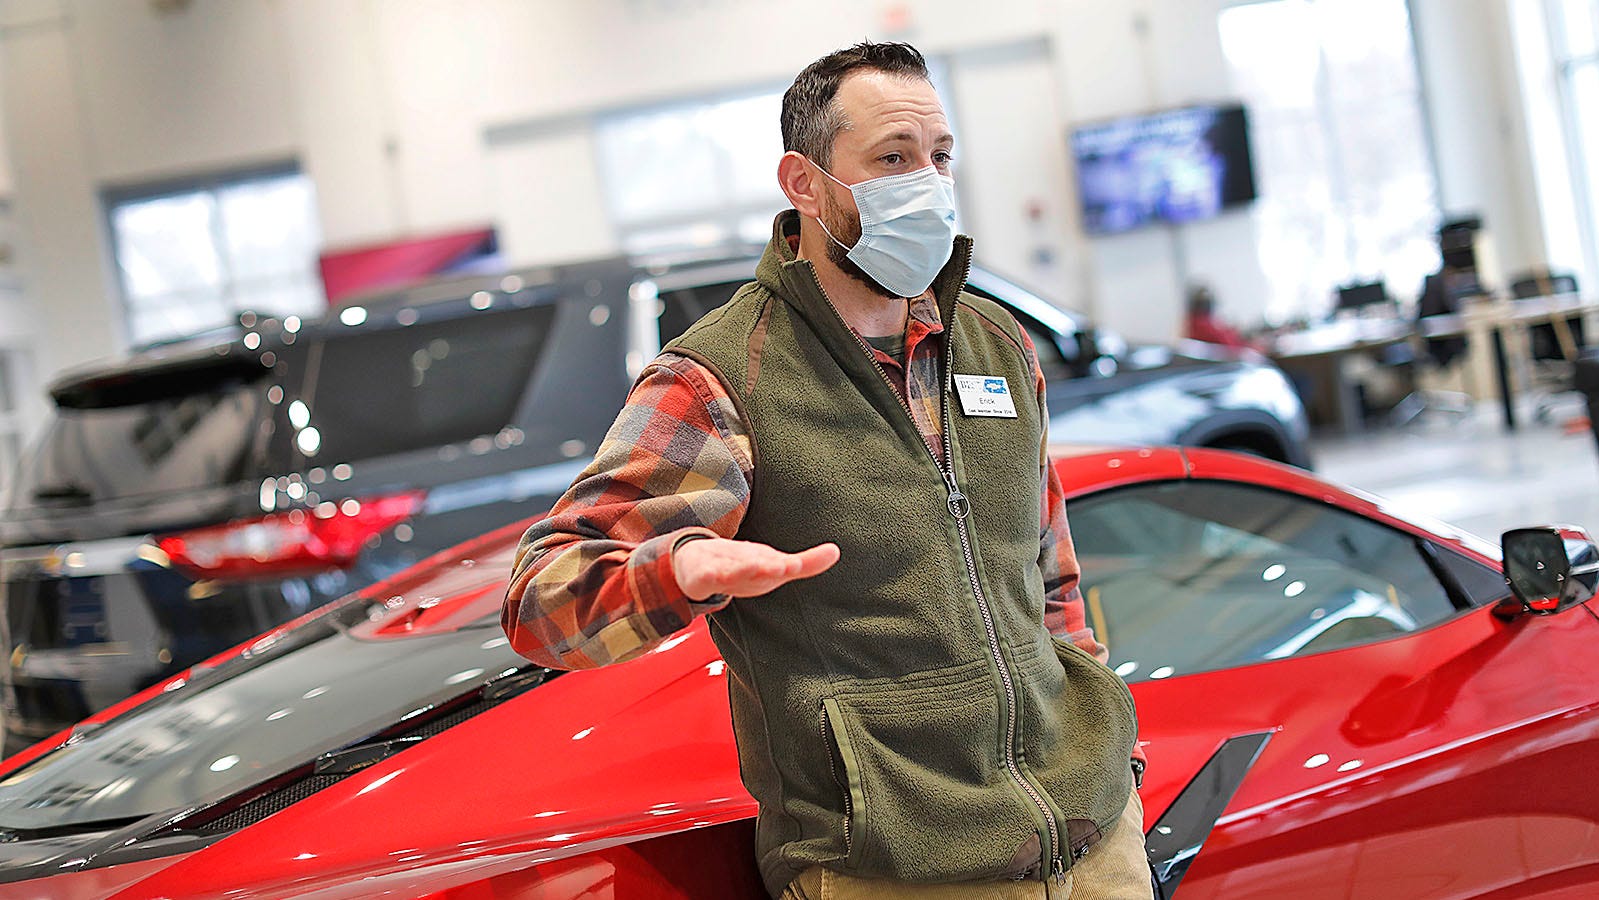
(893, 159)
(943, 157)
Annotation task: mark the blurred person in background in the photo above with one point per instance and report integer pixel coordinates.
(844, 470)
(1202, 323)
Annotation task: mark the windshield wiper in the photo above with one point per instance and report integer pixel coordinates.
(10, 835)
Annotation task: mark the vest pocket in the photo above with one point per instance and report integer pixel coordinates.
(925, 796)
(1078, 731)
(1076, 660)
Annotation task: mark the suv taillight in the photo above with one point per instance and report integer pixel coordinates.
(331, 535)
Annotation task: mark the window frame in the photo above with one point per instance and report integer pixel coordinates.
(116, 196)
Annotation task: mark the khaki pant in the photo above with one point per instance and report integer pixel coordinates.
(1115, 869)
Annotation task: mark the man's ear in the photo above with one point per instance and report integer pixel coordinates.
(801, 184)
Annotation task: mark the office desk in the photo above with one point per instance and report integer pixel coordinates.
(1497, 322)
(1324, 352)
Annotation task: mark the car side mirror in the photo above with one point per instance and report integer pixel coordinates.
(1550, 568)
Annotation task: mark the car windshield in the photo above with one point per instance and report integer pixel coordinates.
(165, 444)
(320, 687)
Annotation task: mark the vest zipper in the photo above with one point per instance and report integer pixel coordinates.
(960, 507)
(832, 769)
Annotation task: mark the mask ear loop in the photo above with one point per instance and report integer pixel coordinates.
(842, 246)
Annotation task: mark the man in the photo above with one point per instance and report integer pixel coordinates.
(1202, 323)
(833, 469)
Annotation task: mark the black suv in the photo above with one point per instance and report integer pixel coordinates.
(191, 496)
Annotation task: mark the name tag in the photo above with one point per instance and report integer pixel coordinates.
(985, 395)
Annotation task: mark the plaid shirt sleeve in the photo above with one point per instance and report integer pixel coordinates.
(1064, 613)
(593, 583)
(1063, 602)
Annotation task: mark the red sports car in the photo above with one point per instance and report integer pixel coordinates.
(1335, 702)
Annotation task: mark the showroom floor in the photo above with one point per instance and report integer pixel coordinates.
(1473, 474)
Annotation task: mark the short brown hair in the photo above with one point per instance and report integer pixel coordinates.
(811, 116)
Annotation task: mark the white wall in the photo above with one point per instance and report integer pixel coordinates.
(182, 92)
(344, 125)
(57, 214)
(19, 380)
(1138, 56)
(1478, 129)
(420, 115)
(1016, 188)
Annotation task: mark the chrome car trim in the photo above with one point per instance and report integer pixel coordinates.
(107, 557)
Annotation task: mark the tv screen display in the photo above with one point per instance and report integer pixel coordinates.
(1177, 166)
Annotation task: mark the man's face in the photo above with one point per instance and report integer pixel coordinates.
(893, 125)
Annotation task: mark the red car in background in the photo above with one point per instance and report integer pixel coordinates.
(1335, 702)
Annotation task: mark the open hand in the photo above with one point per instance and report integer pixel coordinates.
(744, 568)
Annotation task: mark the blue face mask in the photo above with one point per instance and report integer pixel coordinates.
(907, 228)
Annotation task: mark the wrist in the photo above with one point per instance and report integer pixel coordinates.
(695, 603)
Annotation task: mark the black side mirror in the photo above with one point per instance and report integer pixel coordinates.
(1550, 568)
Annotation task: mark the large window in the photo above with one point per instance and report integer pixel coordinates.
(696, 176)
(1574, 25)
(1348, 191)
(191, 258)
(699, 177)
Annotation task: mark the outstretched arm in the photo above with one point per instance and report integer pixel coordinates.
(595, 582)
(639, 544)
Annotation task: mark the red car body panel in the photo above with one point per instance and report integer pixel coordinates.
(1452, 762)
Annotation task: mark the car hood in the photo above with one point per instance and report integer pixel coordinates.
(587, 761)
(552, 774)
(505, 775)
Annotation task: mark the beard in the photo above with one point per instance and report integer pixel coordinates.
(846, 227)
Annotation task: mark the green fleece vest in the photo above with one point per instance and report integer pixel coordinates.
(905, 714)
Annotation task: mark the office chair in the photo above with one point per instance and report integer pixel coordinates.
(1432, 358)
(1441, 294)
(1553, 347)
(1369, 298)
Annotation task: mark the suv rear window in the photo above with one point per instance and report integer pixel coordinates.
(177, 442)
(683, 307)
(375, 393)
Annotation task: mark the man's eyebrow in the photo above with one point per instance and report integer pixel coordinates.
(895, 138)
(900, 136)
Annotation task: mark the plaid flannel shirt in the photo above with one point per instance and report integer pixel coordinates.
(593, 582)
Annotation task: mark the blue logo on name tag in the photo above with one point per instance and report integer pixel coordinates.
(994, 386)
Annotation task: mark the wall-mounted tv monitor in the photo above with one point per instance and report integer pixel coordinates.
(1182, 165)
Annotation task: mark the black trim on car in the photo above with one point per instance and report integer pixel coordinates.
(1177, 836)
